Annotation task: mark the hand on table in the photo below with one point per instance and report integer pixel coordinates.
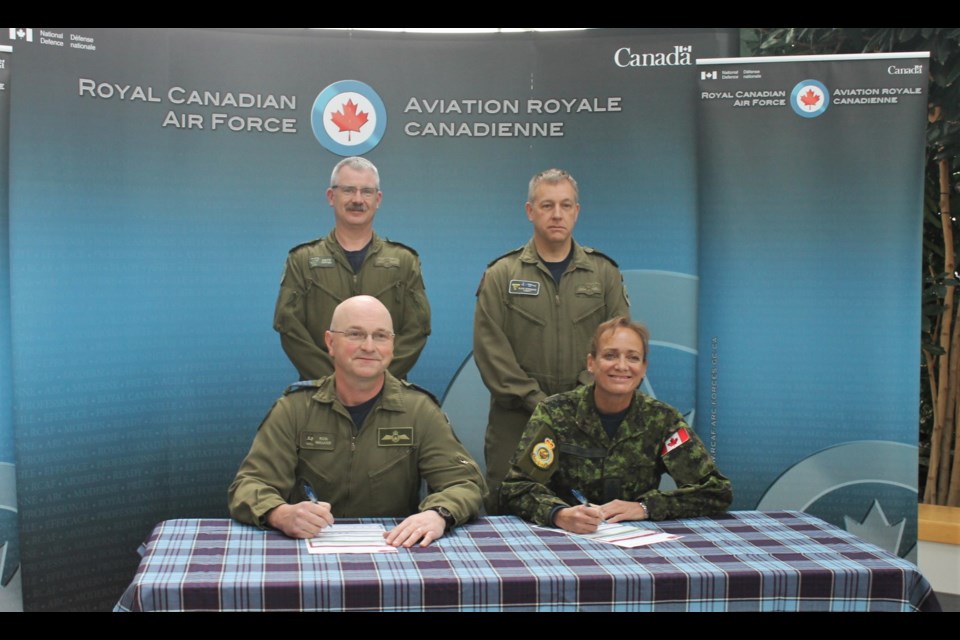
(301, 520)
(423, 527)
(621, 510)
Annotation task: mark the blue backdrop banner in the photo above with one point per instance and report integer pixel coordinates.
(810, 186)
(159, 177)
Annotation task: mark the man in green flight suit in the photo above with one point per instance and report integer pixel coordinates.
(537, 309)
(352, 260)
(361, 441)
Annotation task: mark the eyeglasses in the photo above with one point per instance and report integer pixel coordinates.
(366, 192)
(358, 335)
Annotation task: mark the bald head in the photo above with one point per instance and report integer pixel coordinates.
(367, 307)
(360, 341)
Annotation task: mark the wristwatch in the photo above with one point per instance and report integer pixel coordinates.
(447, 517)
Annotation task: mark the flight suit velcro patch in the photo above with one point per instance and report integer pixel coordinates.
(589, 289)
(317, 440)
(322, 262)
(387, 262)
(394, 436)
(524, 288)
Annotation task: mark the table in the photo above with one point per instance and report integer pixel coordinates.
(740, 561)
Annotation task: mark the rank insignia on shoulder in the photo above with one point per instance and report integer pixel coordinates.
(387, 437)
(524, 288)
(542, 453)
(678, 438)
(321, 262)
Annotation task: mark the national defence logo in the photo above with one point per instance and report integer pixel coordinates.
(348, 118)
(809, 99)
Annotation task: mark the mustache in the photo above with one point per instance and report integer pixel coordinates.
(356, 207)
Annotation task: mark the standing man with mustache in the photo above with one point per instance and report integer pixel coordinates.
(352, 260)
(537, 309)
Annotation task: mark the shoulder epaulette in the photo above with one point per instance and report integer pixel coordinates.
(416, 387)
(303, 385)
(508, 253)
(400, 244)
(595, 252)
(307, 244)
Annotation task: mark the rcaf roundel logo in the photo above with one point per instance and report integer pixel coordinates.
(809, 98)
(348, 118)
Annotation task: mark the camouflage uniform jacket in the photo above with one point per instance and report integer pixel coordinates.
(373, 471)
(317, 277)
(565, 447)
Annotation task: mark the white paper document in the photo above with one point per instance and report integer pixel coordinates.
(622, 535)
(350, 538)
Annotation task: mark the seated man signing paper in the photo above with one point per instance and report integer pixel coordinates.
(361, 440)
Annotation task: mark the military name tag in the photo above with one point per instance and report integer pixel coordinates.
(322, 262)
(388, 437)
(524, 288)
(386, 262)
(315, 440)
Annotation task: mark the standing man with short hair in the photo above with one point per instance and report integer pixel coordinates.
(352, 260)
(537, 309)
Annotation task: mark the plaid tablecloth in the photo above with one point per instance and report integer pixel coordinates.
(741, 561)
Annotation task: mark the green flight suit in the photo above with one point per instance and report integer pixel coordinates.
(374, 471)
(565, 447)
(531, 338)
(317, 277)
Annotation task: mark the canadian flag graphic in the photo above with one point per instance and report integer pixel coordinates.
(674, 441)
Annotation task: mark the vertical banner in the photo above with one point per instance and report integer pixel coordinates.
(159, 178)
(10, 598)
(810, 234)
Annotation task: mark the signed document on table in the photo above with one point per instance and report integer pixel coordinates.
(350, 538)
(622, 535)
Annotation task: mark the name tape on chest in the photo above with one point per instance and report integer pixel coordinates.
(322, 262)
(316, 440)
(679, 437)
(524, 288)
(394, 437)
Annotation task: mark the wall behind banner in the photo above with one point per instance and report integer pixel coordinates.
(145, 251)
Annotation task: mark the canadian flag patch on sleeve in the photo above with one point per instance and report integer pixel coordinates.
(674, 441)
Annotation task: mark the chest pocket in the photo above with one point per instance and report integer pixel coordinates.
(394, 481)
(589, 304)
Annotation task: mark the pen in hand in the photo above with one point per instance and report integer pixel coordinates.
(307, 489)
(583, 500)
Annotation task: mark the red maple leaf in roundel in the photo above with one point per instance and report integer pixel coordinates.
(348, 119)
(809, 98)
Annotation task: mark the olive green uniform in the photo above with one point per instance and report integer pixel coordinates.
(531, 338)
(374, 471)
(565, 447)
(317, 277)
